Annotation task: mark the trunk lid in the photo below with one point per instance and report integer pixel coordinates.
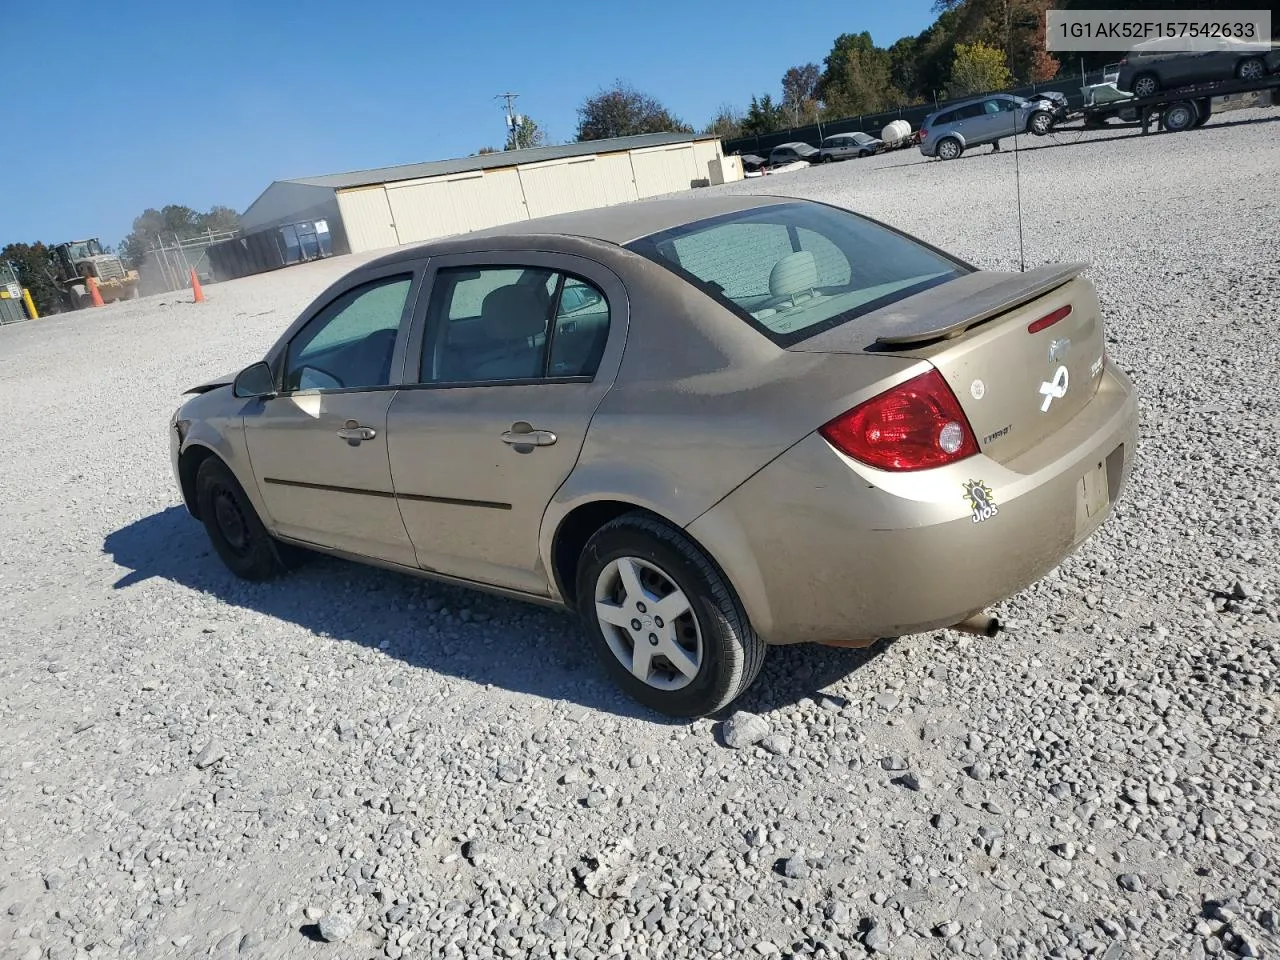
(1017, 384)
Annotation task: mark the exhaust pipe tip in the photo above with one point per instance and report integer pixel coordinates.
(982, 624)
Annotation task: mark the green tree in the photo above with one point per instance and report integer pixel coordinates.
(857, 77)
(623, 111)
(800, 93)
(726, 124)
(36, 270)
(524, 134)
(173, 221)
(763, 116)
(977, 69)
(483, 150)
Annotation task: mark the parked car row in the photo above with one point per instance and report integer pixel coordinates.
(838, 146)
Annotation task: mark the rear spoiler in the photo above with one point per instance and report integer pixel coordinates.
(948, 310)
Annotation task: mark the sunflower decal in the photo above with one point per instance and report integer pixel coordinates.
(981, 502)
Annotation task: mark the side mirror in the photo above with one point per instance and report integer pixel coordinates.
(255, 381)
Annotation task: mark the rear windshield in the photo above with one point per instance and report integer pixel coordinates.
(793, 270)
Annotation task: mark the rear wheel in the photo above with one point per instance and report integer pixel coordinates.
(949, 148)
(235, 530)
(1179, 116)
(1040, 122)
(664, 620)
(1251, 69)
(1145, 85)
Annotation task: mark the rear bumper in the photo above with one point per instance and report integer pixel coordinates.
(821, 548)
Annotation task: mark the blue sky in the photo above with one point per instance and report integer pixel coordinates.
(207, 103)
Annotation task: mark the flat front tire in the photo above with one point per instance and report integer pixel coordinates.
(663, 619)
(234, 528)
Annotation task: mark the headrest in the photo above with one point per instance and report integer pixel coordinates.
(794, 273)
(515, 312)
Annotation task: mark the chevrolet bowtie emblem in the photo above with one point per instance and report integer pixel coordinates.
(1054, 389)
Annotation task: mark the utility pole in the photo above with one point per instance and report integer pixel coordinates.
(510, 98)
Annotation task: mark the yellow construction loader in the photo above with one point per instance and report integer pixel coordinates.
(78, 260)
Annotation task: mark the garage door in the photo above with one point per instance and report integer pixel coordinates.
(664, 169)
(443, 206)
(366, 216)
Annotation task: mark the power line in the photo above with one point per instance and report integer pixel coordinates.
(512, 119)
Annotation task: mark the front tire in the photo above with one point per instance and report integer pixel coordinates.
(1251, 69)
(663, 619)
(1040, 123)
(234, 528)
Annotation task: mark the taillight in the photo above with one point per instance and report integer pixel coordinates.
(1049, 319)
(915, 426)
(923, 133)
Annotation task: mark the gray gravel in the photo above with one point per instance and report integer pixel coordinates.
(192, 766)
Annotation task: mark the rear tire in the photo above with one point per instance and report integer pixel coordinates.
(949, 148)
(715, 654)
(1040, 123)
(1180, 115)
(234, 528)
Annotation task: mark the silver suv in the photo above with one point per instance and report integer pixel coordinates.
(948, 133)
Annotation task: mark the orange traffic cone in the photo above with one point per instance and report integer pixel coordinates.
(195, 287)
(93, 291)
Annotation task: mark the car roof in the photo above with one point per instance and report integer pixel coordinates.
(618, 224)
(973, 100)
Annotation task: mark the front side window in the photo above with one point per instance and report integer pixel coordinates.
(489, 324)
(349, 344)
(792, 270)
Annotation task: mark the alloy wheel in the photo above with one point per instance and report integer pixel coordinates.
(1145, 87)
(648, 623)
(1251, 70)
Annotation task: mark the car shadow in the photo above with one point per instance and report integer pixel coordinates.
(440, 627)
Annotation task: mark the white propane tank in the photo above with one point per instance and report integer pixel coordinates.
(895, 131)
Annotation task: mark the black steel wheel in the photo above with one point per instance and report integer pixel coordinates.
(1180, 115)
(234, 528)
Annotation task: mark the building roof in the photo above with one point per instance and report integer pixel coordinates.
(618, 224)
(504, 158)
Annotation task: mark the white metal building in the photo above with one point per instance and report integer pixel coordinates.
(371, 209)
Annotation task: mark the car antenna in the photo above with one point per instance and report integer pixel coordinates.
(1017, 180)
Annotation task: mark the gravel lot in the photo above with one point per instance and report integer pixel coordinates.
(349, 763)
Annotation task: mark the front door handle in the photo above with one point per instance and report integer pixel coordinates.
(523, 434)
(353, 433)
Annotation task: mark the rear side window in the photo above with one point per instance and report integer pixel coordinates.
(792, 270)
(948, 117)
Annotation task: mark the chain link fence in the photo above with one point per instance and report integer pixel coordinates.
(11, 309)
(169, 262)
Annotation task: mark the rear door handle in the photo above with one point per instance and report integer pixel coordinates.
(522, 434)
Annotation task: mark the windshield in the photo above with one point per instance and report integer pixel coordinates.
(792, 270)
